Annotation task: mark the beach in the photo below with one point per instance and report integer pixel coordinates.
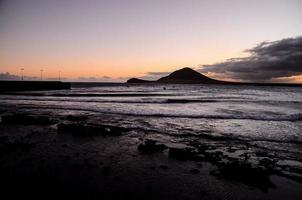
(153, 142)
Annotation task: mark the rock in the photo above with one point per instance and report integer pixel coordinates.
(194, 171)
(151, 146)
(3, 138)
(267, 163)
(232, 149)
(26, 119)
(187, 153)
(199, 146)
(163, 167)
(246, 173)
(80, 129)
(8, 147)
(213, 157)
(76, 117)
(107, 170)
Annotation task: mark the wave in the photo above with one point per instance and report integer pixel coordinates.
(153, 100)
(291, 117)
(135, 101)
(89, 94)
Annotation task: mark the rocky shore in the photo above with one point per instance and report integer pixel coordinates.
(80, 155)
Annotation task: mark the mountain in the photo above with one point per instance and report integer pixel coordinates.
(186, 75)
(189, 76)
(183, 76)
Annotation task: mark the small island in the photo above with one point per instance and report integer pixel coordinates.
(189, 76)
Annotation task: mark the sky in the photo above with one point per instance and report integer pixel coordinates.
(114, 40)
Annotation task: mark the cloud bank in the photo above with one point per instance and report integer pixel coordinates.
(267, 61)
(13, 77)
(9, 76)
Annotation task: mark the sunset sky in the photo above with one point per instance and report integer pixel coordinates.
(118, 39)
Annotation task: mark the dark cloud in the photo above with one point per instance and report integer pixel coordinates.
(267, 61)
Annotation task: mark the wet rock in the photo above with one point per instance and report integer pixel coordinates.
(200, 147)
(84, 166)
(267, 163)
(232, 149)
(80, 129)
(149, 189)
(296, 170)
(163, 167)
(76, 117)
(199, 165)
(187, 153)
(4, 138)
(107, 170)
(25, 119)
(213, 157)
(194, 171)
(8, 147)
(245, 155)
(151, 146)
(246, 173)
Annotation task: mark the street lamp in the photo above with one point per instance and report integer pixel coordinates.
(22, 69)
(41, 74)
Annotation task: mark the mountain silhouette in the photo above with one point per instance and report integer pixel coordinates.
(186, 75)
(182, 76)
(137, 80)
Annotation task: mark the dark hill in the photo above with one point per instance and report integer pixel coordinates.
(137, 80)
(183, 76)
(189, 76)
(186, 75)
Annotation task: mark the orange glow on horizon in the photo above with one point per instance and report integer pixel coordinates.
(291, 79)
(113, 66)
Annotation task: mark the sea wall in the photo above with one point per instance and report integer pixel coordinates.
(32, 85)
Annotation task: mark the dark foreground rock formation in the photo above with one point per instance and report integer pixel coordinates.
(97, 157)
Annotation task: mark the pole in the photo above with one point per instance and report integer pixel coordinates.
(22, 69)
(41, 74)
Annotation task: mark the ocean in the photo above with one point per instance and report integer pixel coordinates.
(265, 117)
(215, 140)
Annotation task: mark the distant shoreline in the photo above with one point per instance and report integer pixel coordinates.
(7, 86)
(33, 85)
(94, 84)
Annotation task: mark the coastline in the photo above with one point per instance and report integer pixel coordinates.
(38, 155)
